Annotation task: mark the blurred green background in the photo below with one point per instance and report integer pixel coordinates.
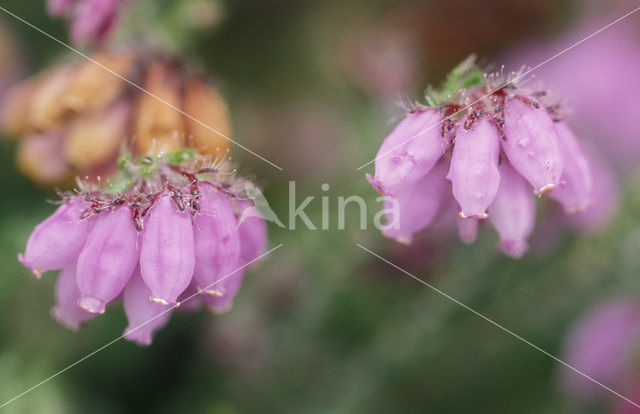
(320, 326)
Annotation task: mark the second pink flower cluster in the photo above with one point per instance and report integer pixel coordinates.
(503, 147)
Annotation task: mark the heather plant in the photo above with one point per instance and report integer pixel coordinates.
(491, 143)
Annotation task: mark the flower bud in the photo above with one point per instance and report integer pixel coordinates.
(144, 316)
(217, 242)
(16, 104)
(93, 87)
(159, 127)
(512, 212)
(474, 167)
(205, 104)
(531, 144)
(167, 251)
(409, 152)
(40, 158)
(95, 139)
(56, 242)
(107, 259)
(45, 110)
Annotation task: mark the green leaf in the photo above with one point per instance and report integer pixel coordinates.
(178, 157)
(465, 75)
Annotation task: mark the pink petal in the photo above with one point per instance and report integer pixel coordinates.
(145, 317)
(531, 144)
(93, 20)
(575, 190)
(409, 152)
(190, 300)
(252, 230)
(66, 309)
(57, 241)
(601, 345)
(467, 229)
(59, 7)
(223, 303)
(474, 167)
(512, 213)
(167, 253)
(217, 241)
(604, 195)
(108, 259)
(418, 205)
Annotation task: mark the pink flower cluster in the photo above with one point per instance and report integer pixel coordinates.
(493, 149)
(168, 236)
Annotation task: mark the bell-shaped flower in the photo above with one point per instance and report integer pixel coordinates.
(167, 256)
(603, 345)
(409, 152)
(107, 260)
(144, 316)
(474, 167)
(512, 212)
(532, 144)
(575, 190)
(252, 230)
(416, 205)
(56, 242)
(222, 303)
(67, 310)
(217, 242)
(94, 20)
(467, 229)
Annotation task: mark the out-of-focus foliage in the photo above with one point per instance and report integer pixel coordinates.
(322, 326)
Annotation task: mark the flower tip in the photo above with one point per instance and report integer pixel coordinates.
(468, 238)
(163, 302)
(220, 309)
(91, 304)
(213, 292)
(576, 209)
(403, 240)
(55, 313)
(481, 216)
(34, 269)
(377, 184)
(400, 239)
(139, 336)
(513, 248)
(544, 190)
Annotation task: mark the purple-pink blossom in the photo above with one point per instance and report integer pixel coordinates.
(602, 345)
(91, 21)
(171, 235)
(502, 146)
